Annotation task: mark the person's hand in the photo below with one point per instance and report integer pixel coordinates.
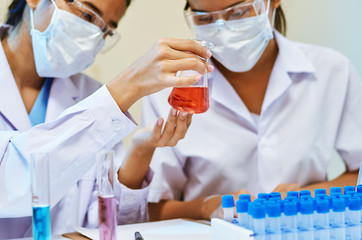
(157, 70)
(212, 205)
(175, 129)
(145, 141)
(284, 188)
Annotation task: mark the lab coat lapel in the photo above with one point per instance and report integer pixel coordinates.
(11, 103)
(223, 93)
(290, 60)
(63, 95)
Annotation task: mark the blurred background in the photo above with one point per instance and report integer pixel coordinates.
(331, 23)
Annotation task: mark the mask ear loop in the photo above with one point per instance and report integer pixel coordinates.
(32, 14)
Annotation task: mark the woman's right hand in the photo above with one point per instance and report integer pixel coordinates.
(157, 70)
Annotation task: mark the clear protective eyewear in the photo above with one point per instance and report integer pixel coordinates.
(228, 17)
(84, 12)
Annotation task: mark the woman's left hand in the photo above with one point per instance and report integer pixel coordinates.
(175, 129)
(145, 141)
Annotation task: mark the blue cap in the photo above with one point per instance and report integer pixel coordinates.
(305, 197)
(354, 204)
(274, 210)
(304, 193)
(227, 201)
(359, 188)
(290, 198)
(335, 190)
(338, 205)
(293, 194)
(346, 198)
(352, 193)
(322, 206)
(245, 196)
(259, 211)
(263, 195)
(260, 200)
(306, 207)
(290, 208)
(330, 199)
(242, 206)
(348, 188)
(320, 191)
(275, 195)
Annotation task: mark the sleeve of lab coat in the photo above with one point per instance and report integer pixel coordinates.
(72, 140)
(349, 136)
(169, 178)
(131, 203)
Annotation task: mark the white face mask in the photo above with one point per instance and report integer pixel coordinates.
(68, 46)
(240, 50)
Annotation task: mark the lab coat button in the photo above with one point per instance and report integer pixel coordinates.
(117, 124)
(263, 142)
(129, 199)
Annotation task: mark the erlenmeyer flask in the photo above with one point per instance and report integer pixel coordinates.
(194, 98)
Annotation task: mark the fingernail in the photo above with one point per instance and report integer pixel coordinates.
(198, 78)
(209, 54)
(210, 68)
(174, 112)
(184, 114)
(159, 122)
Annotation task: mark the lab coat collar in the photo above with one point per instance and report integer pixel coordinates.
(63, 93)
(291, 60)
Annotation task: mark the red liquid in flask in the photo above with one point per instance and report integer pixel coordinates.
(107, 217)
(190, 99)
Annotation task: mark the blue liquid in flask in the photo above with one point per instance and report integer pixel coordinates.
(41, 222)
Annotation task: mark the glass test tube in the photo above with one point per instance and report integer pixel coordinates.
(39, 172)
(107, 212)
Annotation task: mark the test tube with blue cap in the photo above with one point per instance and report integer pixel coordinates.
(335, 191)
(250, 215)
(275, 195)
(293, 194)
(242, 211)
(290, 220)
(337, 219)
(354, 228)
(40, 189)
(304, 193)
(322, 219)
(263, 196)
(274, 221)
(259, 214)
(245, 196)
(305, 223)
(348, 188)
(346, 198)
(228, 204)
(359, 188)
(320, 191)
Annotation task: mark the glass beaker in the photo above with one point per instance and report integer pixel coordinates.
(194, 98)
(107, 208)
(39, 172)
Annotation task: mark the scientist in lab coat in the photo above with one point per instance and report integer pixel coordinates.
(278, 110)
(46, 105)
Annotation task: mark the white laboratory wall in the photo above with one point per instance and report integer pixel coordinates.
(333, 23)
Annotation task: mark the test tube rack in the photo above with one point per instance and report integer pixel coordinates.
(299, 216)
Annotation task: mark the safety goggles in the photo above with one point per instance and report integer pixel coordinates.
(86, 13)
(229, 17)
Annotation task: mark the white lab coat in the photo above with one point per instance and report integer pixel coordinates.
(72, 138)
(312, 106)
